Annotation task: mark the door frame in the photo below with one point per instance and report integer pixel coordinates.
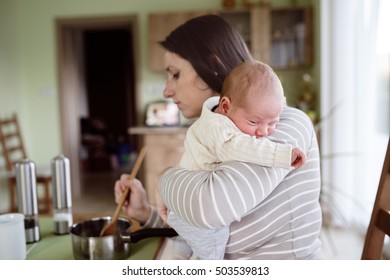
(70, 70)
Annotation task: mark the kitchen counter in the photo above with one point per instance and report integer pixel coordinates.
(59, 247)
(142, 130)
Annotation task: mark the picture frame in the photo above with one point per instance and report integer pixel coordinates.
(162, 113)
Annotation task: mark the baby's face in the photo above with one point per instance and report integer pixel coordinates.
(258, 117)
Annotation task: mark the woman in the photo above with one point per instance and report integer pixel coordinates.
(273, 213)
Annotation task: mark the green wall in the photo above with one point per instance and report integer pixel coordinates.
(28, 70)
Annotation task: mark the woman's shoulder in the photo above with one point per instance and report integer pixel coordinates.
(292, 110)
(294, 127)
(294, 115)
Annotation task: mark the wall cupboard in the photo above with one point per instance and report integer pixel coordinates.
(282, 37)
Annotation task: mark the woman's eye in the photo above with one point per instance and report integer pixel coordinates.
(176, 76)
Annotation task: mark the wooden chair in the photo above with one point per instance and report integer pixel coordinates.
(380, 219)
(13, 150)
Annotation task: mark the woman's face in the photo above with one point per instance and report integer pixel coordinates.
(184, 86)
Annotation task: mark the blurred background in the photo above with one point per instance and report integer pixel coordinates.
(81, 73)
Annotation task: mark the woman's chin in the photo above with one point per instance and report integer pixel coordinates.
(190, 115)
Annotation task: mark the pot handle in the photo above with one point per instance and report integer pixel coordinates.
(134, 237)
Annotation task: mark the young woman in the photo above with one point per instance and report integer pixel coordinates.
(273, 213)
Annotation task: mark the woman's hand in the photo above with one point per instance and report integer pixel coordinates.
(162, 210)
(136, 206)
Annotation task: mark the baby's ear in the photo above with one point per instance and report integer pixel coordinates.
(224, 105)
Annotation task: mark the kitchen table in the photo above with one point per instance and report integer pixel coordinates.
(59, 247)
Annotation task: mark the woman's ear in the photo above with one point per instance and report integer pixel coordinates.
(224, 105)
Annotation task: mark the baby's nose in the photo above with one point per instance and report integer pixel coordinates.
(261, 132)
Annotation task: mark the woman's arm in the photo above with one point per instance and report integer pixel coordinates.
(214, 199)
(154, 220)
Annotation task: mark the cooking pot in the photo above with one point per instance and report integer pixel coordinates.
(88, 245)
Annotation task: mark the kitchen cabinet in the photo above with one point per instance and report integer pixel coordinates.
(291, 37)
(281, 37)
(254, 26)
(165, 147)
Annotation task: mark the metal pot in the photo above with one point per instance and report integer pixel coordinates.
(87, 245)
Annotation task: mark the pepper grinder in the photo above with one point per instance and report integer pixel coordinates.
(26, 187)
(62, 199)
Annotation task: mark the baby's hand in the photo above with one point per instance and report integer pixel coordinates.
(298, 158)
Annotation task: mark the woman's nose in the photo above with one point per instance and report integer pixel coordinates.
(168, 92)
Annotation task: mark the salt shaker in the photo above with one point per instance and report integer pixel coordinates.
(62, 199)
(26, 186)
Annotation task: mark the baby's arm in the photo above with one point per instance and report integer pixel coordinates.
(262, 151)
(231, 144)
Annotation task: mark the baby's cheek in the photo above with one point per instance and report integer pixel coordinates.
(248, 130)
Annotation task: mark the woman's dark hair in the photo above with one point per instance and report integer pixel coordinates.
(211, 45)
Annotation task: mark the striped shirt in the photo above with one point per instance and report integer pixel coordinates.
(273, 213)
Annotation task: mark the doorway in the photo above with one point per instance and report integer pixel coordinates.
(97, 85)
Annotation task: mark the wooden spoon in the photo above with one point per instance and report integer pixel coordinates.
(110, 228)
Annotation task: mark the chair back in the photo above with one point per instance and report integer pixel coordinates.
(11, 141)
(380, 219)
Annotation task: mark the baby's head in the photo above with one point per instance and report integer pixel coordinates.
(252, 97)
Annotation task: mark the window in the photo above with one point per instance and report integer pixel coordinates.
(355, 91)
